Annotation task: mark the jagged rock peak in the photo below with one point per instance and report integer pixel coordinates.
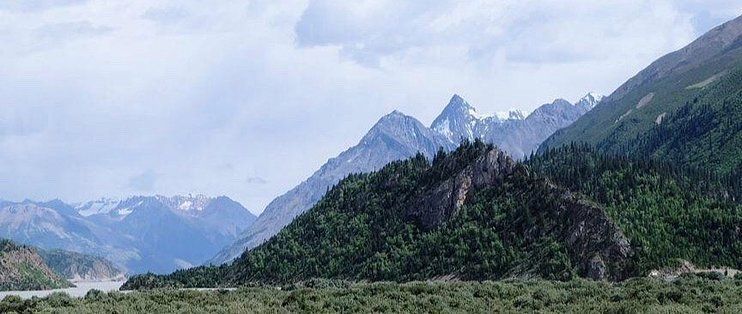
(458, 120)
(589, 101)
(458, 106)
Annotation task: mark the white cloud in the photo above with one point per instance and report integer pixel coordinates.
(197, 97)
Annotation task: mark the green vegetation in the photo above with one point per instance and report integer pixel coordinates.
(689, 294)
(21, 268)
(706, 132)
(668, 213)
(359, 231)
(694, 118)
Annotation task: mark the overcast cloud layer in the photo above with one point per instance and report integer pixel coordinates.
(248, 98)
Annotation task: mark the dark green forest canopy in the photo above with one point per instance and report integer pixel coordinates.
(667, 212)
(692, 120)
(359, 231)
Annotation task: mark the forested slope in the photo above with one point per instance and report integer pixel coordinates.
(475, 214)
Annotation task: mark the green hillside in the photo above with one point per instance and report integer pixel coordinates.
(525, 223)
(705, 132)
(684, 107)
(668, 213)
(21, 268)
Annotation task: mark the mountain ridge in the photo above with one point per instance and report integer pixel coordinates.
(397, 136)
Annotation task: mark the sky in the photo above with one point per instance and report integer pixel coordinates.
(248, 98)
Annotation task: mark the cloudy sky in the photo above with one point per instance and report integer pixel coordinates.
(248, 98)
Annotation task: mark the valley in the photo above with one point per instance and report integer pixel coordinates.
(688, 294)
(567, 201)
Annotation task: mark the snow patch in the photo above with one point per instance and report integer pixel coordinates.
(708, 81)
(445, 129)
(101, 206)
(185, 205)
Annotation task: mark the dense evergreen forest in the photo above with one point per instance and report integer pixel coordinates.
(360, 231)
(704, 133)
(667, 212)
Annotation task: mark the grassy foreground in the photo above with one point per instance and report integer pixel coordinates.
(689, 294)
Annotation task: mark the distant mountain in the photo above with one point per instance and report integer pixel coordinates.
(21, 268)
(80, 267)
(459, 120)
(44, 226)
(515, 133)
(141, 233)
(685, 107)
(396, 137)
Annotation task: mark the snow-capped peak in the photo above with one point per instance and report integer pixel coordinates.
(589, 101)
(187, 203)
(510, 115)
(100, 206)
(458, 119)
(458, 105)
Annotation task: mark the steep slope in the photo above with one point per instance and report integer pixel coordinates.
(693, 74)
(21, 268)
(80, 267)
(706, 132)
(473, 214)
(394, 137)
(458, 121)
(668, 213)
(397, 137)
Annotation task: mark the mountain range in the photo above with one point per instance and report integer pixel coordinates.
(139, 234)
(477, 214)
(648, 179)
(397, 136)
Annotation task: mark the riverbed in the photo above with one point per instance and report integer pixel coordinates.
(80, 290)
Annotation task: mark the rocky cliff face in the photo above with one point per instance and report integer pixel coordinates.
(602, 249)
(597, 245)
(436, 204)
